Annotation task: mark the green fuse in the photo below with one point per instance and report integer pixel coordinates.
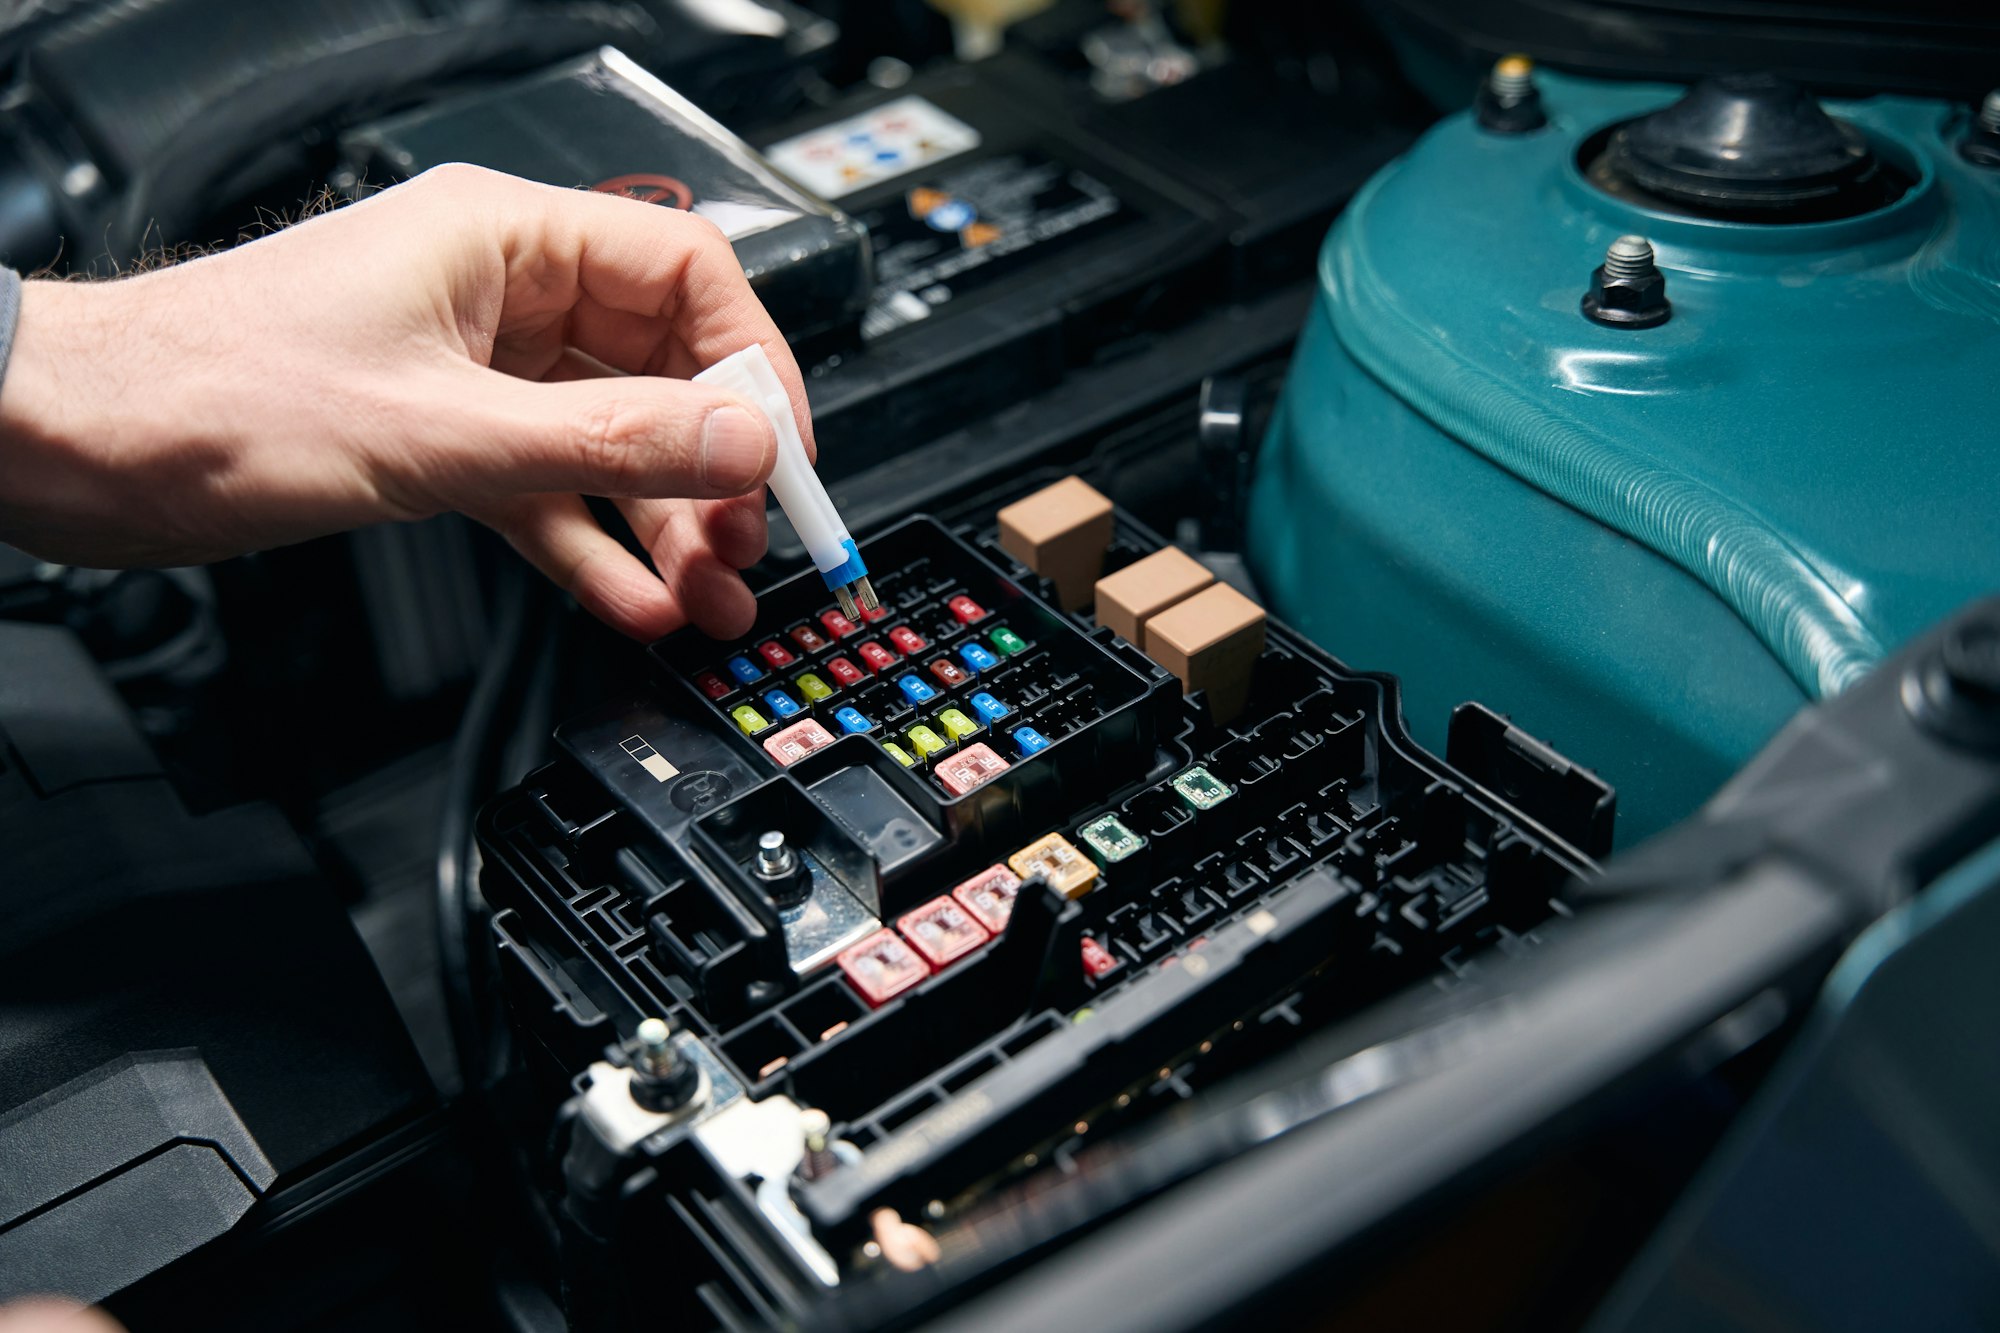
(1008, 642)
(902, 756)
(1110, 839)
(749, 719)
(957, 725)
(1202, 789)
(813, 688)
(926, 742)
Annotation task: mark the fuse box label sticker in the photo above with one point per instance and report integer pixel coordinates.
(891, 140)
(964, 226)
(648, 758)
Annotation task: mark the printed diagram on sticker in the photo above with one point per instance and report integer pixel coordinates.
(648, 758)
(877, 145)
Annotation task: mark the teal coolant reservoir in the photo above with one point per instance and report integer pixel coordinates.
(1646, 496)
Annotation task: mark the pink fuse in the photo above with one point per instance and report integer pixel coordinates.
(876, 656)
(970, 767)
(907, 640)
(775, 653)
(1097, 959)
(949, 672)
(808, 639)
(796, 742)
(989, 896)
(837, 625)
(844, 671)
(965, 610)
(882, 967)
(942, 930)
(711, 684)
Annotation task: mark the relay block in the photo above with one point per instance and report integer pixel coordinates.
(972, 874)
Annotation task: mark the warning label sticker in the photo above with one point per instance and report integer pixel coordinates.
(893, 139)
(967, 225)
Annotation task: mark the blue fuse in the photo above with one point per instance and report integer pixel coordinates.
(781, 703)
(915, 690)
(744, 669)
(990, 708)
(852, 722)
(1030, 741)
(977, 658)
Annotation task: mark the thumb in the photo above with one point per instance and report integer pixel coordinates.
(619, 436)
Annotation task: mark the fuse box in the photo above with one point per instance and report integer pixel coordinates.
(1047, 887)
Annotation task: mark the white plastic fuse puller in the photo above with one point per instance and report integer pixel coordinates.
(748, 375)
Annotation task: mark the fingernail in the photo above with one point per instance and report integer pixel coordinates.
(733, 445)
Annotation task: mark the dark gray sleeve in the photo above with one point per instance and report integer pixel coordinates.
(10, 315)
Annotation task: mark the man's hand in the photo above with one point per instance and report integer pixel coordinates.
(465, 341)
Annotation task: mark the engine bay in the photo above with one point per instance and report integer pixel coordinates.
(1410, 738)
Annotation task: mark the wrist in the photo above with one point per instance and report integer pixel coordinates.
(77, 415)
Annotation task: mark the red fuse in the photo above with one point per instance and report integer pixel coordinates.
(1097, 959)
(989, 896)
(948, 671)
(882, 967)
(796, 742)
(965, 610)
(879, 613)
(775, 653)
(844, 671)
(711, 684)
(907, 640)
(942, 930)
(969, 768)
(808, 639)
(876, 656)
(837, 625)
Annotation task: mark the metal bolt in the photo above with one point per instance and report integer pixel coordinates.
(775, 859)
(657, 1055)
(1629, 257)
(817, 1125)
(1508, 102)
(1628, 290)
(1513, 78)
(1989, 112)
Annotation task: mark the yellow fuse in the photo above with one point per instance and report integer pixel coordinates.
(957, 725)
(925, 741)
(1069, 871)
(749, 719)
(902, 756)
(813, 688)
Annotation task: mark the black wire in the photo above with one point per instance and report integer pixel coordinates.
(475, 759)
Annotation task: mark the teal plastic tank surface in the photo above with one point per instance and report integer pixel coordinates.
(1647, 545)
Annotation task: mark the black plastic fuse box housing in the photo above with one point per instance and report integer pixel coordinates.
(1302, 861)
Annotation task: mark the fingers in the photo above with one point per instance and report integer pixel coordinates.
(679, 535)
(53, 1315)
(632, 281)
(493, 436)
(557, 535)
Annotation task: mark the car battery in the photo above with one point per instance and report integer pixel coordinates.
(602, 122)
(1010, 248)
